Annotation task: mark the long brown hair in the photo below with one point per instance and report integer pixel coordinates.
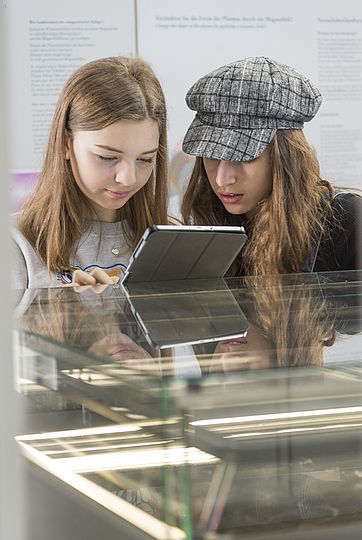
(98, 94)
(285, 225)
(294, 317)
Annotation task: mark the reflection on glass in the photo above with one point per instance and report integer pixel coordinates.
(99, 324)
(288, 327)
(246, 324)
(241, 449)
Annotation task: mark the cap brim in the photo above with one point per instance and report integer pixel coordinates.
(227, 144)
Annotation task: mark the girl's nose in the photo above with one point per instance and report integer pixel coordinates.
(125, 174)
(225, 174)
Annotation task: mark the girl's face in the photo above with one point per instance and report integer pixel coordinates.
(119, 347)
(255, 351)
(122, 350)
(110, 165)
(240, 186)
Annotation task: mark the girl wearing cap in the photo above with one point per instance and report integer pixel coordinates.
(254, 167)
(103, 181)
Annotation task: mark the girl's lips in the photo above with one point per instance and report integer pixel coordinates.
(231, 344)
(235, 341)
(230, 198)
(121, 350)
(117, 194)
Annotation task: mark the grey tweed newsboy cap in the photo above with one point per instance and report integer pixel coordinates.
(240, 107)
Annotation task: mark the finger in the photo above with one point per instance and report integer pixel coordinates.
(101, 276)
(83, 278)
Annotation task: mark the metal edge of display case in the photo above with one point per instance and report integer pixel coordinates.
(122, 514)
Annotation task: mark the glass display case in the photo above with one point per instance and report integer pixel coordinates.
(200, 409)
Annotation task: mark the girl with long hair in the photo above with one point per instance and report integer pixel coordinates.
(254, 167)
(103, 180)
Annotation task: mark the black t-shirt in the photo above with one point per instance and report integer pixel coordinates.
(340, 246)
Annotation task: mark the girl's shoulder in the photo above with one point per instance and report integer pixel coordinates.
(347, 194)
(15, 231)
(347, 201)
(14, 219)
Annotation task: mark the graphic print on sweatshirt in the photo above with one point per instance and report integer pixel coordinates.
(112, 270)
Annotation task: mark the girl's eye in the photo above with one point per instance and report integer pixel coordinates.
(107, 158)
(146, 160)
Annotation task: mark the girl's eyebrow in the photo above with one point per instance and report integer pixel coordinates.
(121, 151)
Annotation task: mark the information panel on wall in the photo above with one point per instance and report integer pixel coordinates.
(322, 40)
(47, 41)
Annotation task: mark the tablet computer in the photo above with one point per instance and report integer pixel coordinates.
(175, 252)
(190, 317)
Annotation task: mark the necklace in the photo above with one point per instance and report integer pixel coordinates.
(116, 250)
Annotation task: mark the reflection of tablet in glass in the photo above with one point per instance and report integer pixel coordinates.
(172, 252)
(170, 320)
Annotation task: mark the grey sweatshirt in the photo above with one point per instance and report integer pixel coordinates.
(103, 246)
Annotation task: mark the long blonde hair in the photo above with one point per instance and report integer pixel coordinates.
(98, 94)
(285, 225)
